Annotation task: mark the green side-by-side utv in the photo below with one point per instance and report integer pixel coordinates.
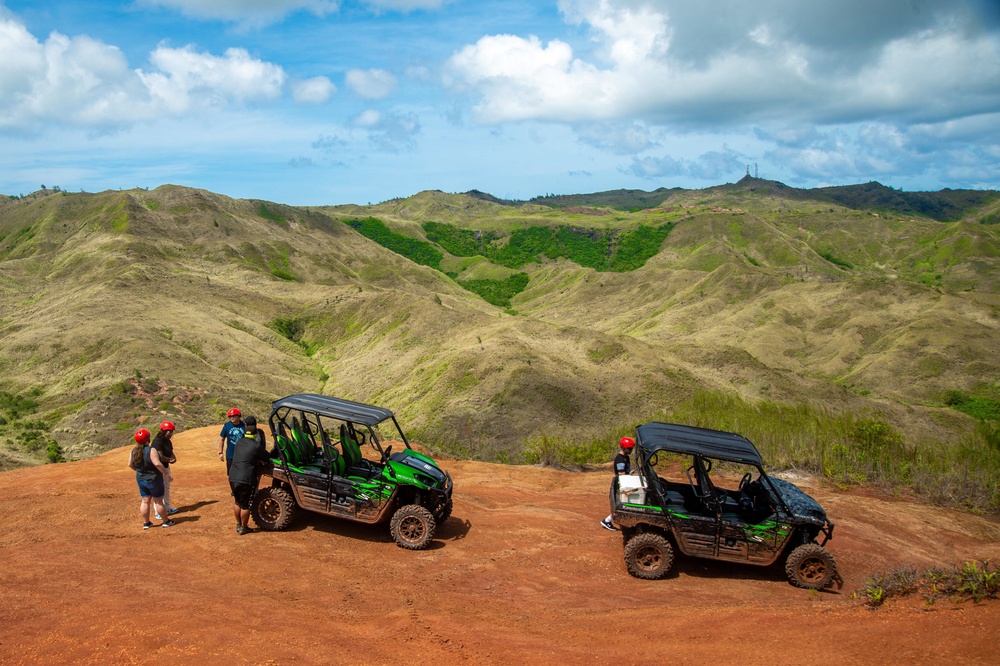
(761, 521)
(318, 465)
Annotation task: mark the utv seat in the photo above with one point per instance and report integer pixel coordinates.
(355, 463)
(671, 497)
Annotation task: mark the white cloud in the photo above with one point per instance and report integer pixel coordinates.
(368, 118)
(313, 91)
(389, 132)
(371, 83)
(246, 12)
(734, 63)
(621, 138)
(82, 81)
(713, 166)
(186, 79)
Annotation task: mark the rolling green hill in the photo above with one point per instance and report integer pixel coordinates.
(519, 332)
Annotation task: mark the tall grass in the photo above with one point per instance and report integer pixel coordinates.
(847, 448)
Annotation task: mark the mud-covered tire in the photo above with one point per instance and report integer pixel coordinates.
(273, 509)
(649, 556)
(412, 527)
(811, 567)
(444, 513)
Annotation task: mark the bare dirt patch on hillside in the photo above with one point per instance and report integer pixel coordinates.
(521, 573)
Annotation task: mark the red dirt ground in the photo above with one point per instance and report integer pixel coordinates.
(521, 573)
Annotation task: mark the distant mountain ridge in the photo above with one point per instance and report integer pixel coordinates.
(944, 206)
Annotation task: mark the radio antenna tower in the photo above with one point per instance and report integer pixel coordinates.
(754, 169)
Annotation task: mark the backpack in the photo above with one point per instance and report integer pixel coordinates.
(135, 457)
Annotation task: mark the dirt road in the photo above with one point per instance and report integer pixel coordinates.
(522, 573)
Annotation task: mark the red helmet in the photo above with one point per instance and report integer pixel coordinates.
(167, 425)
(142, 436)
(626, 443)
(234, 412)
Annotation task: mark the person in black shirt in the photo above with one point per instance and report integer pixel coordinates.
(622, 465)
(243, 474)
(164, 446)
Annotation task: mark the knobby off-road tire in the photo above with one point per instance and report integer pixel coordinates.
(273, 509)
(649, 556)
(810, 566)
(412, 527)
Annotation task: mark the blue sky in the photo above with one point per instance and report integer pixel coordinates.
(311, 102)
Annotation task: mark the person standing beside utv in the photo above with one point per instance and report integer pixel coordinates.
(231, 433)
(149, 474)
(164, 446)
(243, 474)
(622, 465)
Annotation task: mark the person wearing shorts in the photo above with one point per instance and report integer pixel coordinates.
(243, 474)
(164, 446)
(149, 473)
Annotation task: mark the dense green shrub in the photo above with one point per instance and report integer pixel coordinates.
(497, 292)
(600, 250)
(637, 247)
(459, 242)
(417, 251)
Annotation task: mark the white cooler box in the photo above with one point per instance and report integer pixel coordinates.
(631, 489)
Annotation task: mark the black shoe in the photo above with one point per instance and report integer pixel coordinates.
(606, 524)
(146, 526)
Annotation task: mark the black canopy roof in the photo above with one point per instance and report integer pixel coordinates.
(676, 438)
(338, 408)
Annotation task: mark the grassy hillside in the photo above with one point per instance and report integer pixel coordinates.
(515, 332)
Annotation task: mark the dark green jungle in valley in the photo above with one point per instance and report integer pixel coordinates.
(851, 332)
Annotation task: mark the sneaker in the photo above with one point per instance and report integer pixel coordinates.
(146, 526)
(168, 523)
(171, 511)
(606, 524)
(157, 516)
(240, 529)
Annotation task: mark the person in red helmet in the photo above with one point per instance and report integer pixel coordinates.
(622, 465)
(164, 446)
(149, 475)
(232, 432)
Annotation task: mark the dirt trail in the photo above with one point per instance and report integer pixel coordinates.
(522, 573)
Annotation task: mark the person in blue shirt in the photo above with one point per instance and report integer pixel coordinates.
(232, 432)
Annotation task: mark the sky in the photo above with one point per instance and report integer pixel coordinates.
(324, 102)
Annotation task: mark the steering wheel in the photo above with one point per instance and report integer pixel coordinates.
(745, 483)
(361, 437)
